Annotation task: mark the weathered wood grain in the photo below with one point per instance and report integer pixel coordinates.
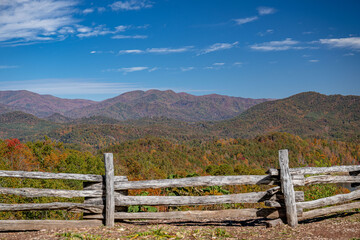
(73, 207)
(32, 225)
(316, 170)
(252, 197)
(323, 179)
(48, 175)
(39, 192)
(195, 215)
(109, 189)
(198, 181)
(340, 198)
(287, 188)
(329, 210)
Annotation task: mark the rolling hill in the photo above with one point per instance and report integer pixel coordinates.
(308, 114)
(39, 105)
(155, 103)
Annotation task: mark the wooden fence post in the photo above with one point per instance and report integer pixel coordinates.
(287, 188)
(109, 189)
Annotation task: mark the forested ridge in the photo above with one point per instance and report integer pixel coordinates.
(158, 158)
(318, 130)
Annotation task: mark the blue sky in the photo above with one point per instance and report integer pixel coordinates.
(256, 49)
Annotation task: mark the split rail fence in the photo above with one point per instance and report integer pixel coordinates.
(106, 196)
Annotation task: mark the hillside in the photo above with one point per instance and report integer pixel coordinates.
(39, 105)
(308, 114)
(155, 103)
(24, 126)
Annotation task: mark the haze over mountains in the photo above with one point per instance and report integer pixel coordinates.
(182, 116)
(130, 105)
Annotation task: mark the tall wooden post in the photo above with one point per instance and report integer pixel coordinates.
(109, 189)
(287, 188)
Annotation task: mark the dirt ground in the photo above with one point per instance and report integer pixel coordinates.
(339, 226)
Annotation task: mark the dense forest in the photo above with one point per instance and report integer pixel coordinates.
(156, 158)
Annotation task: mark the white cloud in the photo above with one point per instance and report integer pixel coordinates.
(185, 69)
(127, 70)
(238, 63)
(266, 10)
(219, 64)
(70, 86)
(7, 66)
(131, 5)
(23, 21)
(218, 47)
(168, 50)
(349, 54)
(313, 60)
(351, 42)
(157, 50)
(286, 44)
(129, 37)
(268, 31)
(98, 30)
(88, 10)
(130, 51)
(241, 21)
(153, 69)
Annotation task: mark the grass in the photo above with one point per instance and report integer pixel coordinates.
(80, 236)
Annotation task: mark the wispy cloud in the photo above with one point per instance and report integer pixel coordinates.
(131, 5)
(7, 66)
(313, 60)
(70, 86)
(218, 47)
(129, 37)
(88, 10)
(157, 50)
(241, 21)
(350, 42)
(168, 50)
(219, 64)
(283, 45)
(24, 21)
(131, 51)
(99, 30)
(266, 10)
(267, 32)
(128, 69)
(185, 69)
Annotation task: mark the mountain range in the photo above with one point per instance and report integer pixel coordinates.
(130, 105)
(130, 116)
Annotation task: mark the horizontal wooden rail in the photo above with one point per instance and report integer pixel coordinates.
(73, 207)
(48, 175)
(39, 192)
(340, 198)
(253, 197)
(331, 179)
(198, 181)
(316, 170)
(194, 215)
(329, 210)
(33, 225)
